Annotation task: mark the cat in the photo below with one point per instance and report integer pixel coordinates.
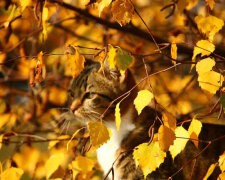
(89, 96)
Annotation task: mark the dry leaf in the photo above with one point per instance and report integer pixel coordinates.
(102, 4)
(122, 11)
(169, 120)
(166, 137)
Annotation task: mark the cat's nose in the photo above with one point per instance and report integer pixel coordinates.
(75, 104)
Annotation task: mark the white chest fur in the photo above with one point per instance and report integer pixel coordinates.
(107, 152)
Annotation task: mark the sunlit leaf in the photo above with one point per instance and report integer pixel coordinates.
(27, 159)
(111, 57)
(7, 118)
(53, 163)
(102, 4)
(210, 171)
(194, 130)
(203, 47)
(148, 157)
(44, 21)
(222, 162)
(174, 52)
(221, 176)
(169, 120)
(209, 25)
(166, 137)
(182, 137)
(24, 4)
(211, 3)
(210, 81)
(118, 116)
(11, 16)
(205, 65)
(99, 133)
(74, 134)
(1, 140)
(12, 174)
(143, 98)
(122, 11)
(76, 61)
(82, 164)
(53, 143)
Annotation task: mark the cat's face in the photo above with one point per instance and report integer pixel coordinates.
(92, 91)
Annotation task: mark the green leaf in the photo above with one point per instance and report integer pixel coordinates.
(124, 59)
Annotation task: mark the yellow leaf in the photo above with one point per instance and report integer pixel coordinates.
(205, 65)
(53, 163)
(191, 4)
(221, 176)
(76, 61)
(174, 52)
(222, 162)
(111, 57)
(53, 143)
(102, 4)
(143, 98)
(9, 118)
(203, 47)
(182, 137)
(44, 20)
(211, 3)
(166, 137)
(118, 116)
(209, 25)
(24, 4)
(181, 5)
(148, 157)
(27, 159)
(12, 174)
(82, 164)
(11, 16)
(74, 134)
(194, 130)
(57, 96)
(122, 11)
(169, 120)
(210, 171)
(210, 81)
(99, 133)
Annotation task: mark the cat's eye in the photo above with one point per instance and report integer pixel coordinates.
(88, 95)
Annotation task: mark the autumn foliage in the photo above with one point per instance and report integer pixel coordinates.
(175, 50)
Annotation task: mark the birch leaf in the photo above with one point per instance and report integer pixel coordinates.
(169, 120)
(102, 4)
(166, 137)
(205, 65)
(111, 57)
(211, 3)
(182, 137)
(53, 163)
(12, 173)
(210, 171)
(194, 130)
(222, 162)
(209, 25)
(123, 59)
(174, 52)
(203, 47)
(99, 133)
(44, 21)
(210, 81)
(148, 157)
(76, 60)
(122, 11)
(143, 98)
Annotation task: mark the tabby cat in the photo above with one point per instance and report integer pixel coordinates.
(90, 94)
